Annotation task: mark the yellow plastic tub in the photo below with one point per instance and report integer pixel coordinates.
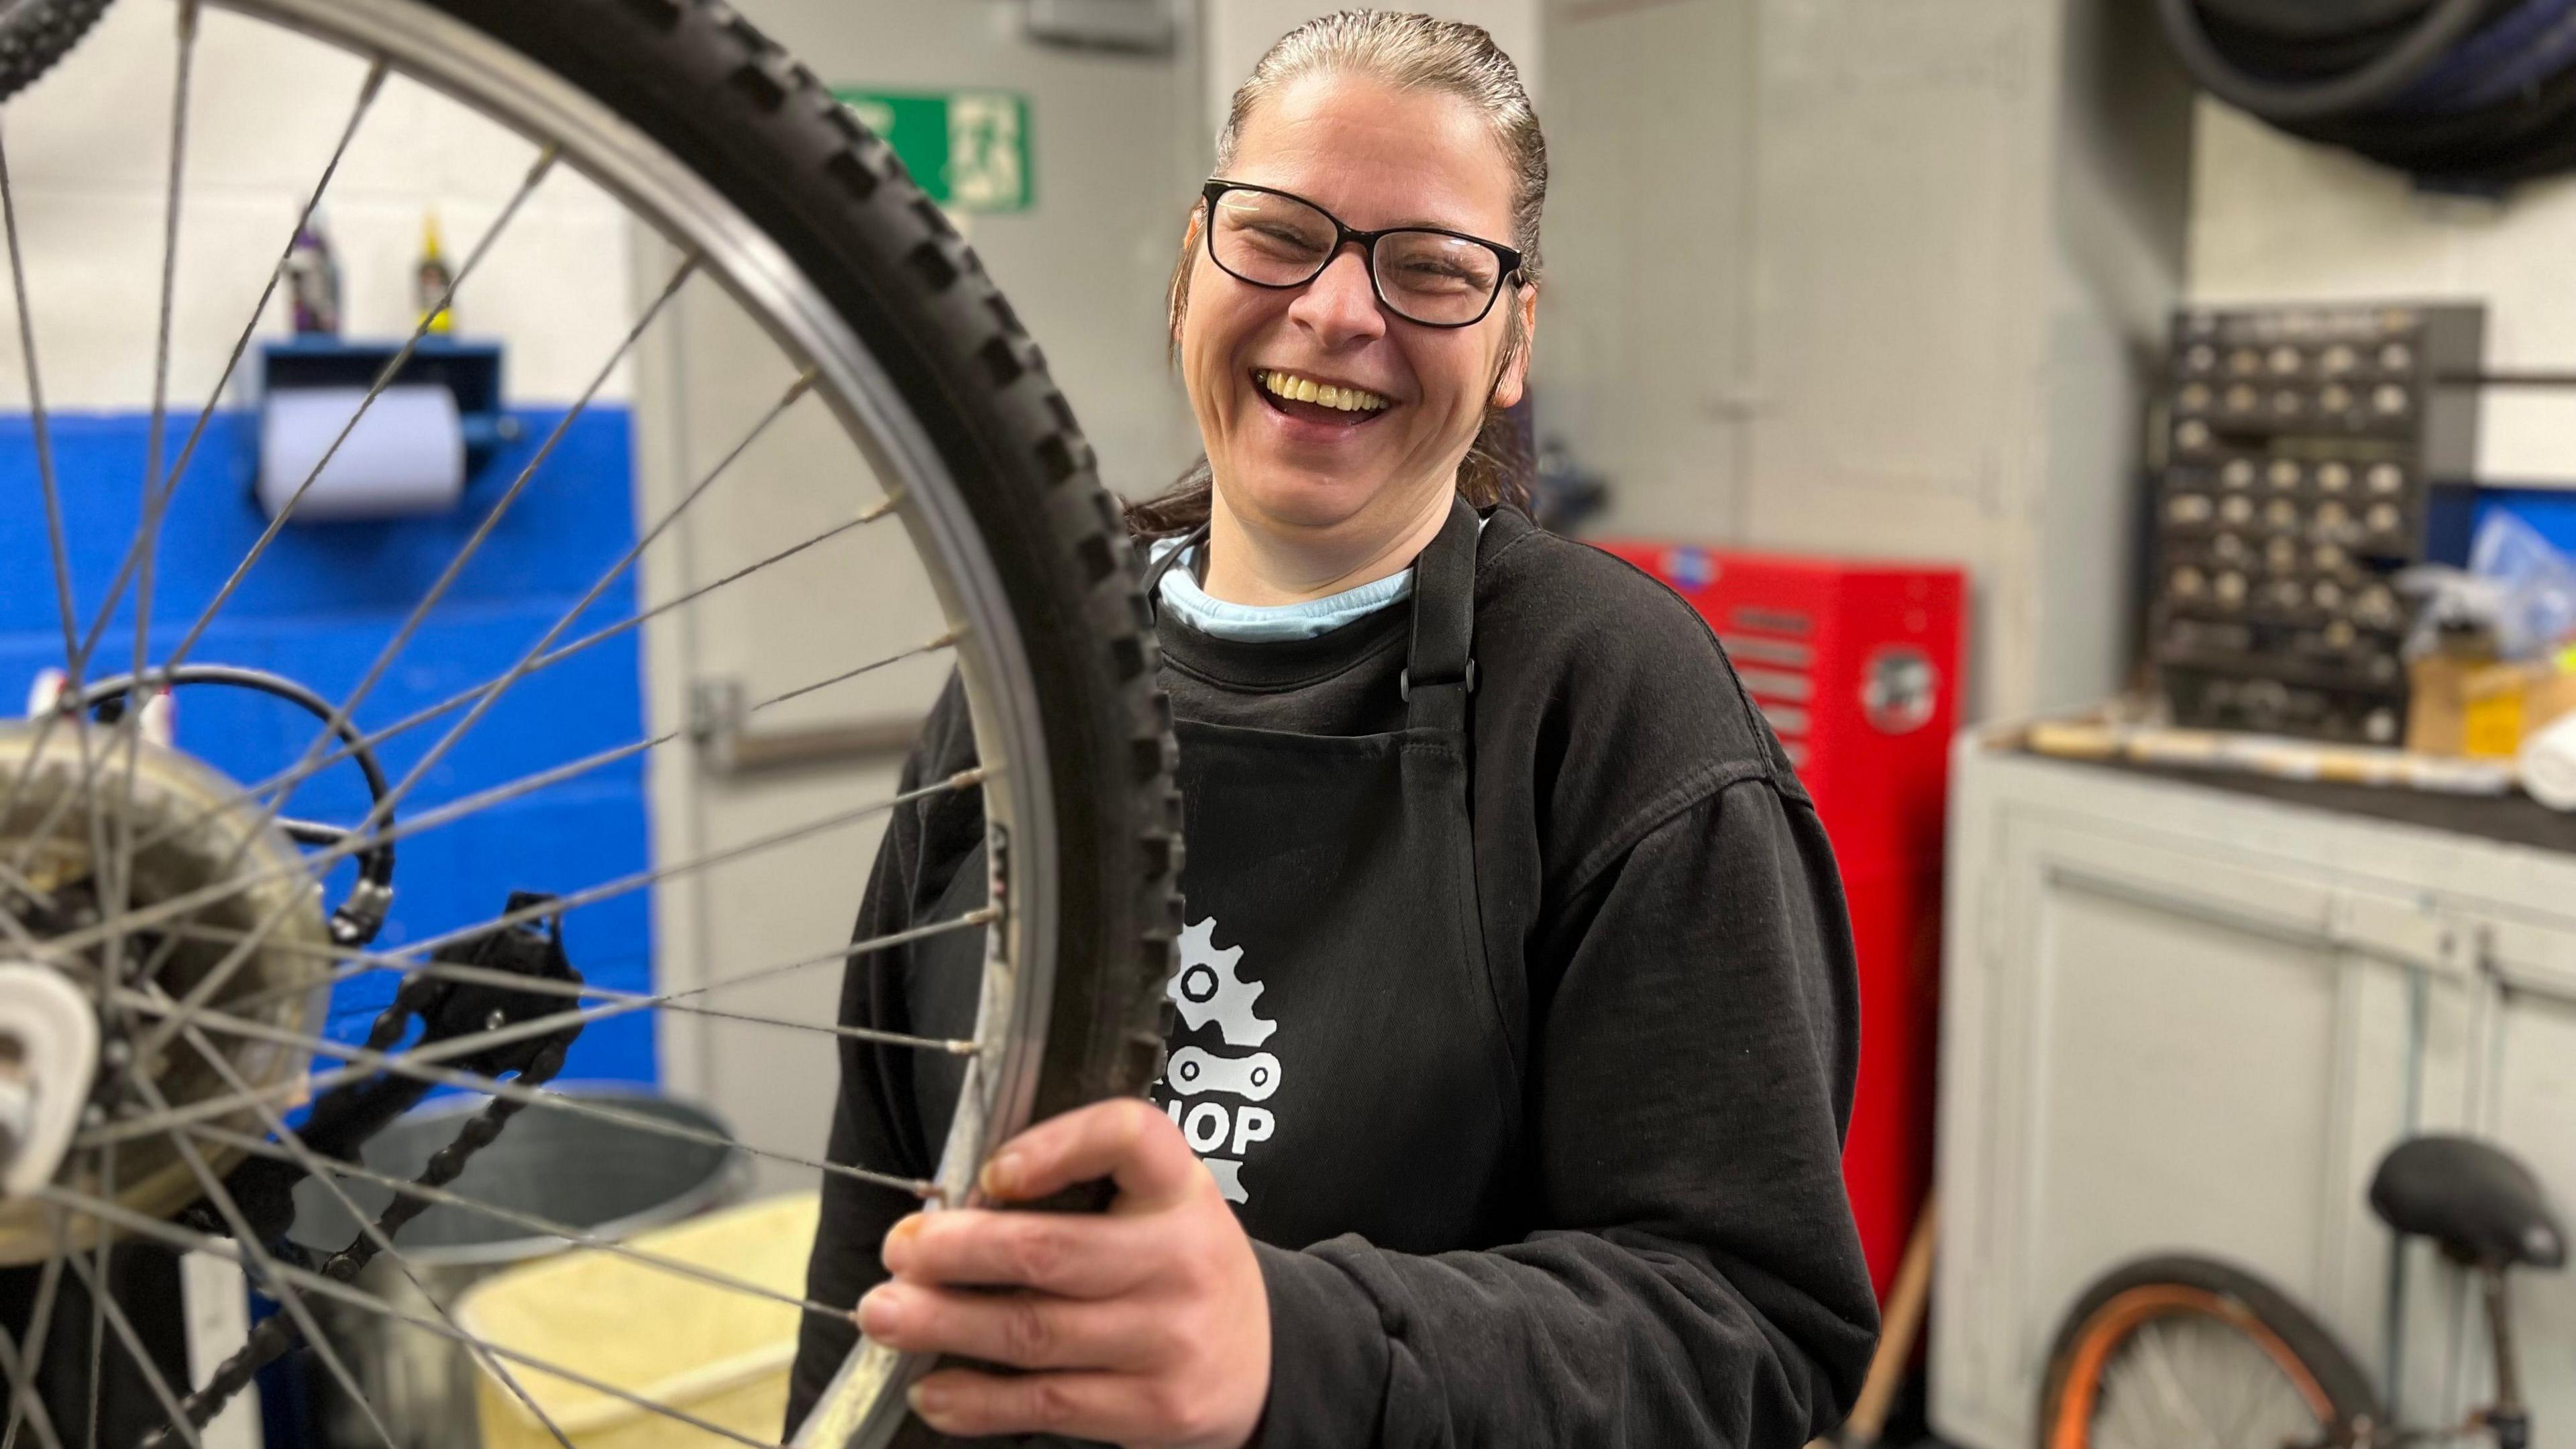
(715, 1353)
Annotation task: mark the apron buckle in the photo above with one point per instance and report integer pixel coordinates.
(1404, 681)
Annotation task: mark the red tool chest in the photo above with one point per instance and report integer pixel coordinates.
(1856, 666)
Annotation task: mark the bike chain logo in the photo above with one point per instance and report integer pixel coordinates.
(1212, 1096)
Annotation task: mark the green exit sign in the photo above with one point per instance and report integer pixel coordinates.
(968, 149)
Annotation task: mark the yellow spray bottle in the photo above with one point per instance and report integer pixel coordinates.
(434, 279)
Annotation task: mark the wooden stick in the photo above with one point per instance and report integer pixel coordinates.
(1900, 1323)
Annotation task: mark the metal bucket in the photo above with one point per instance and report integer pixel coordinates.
(594, 1176)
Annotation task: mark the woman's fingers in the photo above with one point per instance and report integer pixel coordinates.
(1125, 1140)
(1022, 1330)
(1149, 1326)
(1116, 1408)
(1062, 1253)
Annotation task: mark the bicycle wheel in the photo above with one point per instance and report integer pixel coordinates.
(208, 1007)
(2183, 1350)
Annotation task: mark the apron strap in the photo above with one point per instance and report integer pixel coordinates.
(1440, 670)
(1195, 538)
(1440, 667)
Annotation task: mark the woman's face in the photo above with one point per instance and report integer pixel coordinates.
(1375, 157)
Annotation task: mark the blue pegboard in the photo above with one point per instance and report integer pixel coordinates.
(320, 606)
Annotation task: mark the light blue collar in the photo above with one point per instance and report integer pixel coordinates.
(1267, 623)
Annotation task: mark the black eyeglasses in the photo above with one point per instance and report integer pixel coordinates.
(1422, 274)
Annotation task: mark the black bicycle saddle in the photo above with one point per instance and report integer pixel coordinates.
(2482, 1206)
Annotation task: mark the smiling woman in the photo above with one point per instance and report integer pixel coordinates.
(1514, 1021)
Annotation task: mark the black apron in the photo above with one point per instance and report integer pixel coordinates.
(1338, 1056)
(1340, 1059)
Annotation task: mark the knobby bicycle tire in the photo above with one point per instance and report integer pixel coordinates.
(750, 125)
(709, 87)
(36, 33)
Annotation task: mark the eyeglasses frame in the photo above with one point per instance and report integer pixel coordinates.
(1345, 235)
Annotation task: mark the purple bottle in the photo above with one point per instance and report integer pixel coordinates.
(313, 282)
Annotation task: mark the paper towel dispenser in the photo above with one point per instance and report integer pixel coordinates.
(411, 452)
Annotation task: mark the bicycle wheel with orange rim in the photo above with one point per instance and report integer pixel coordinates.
(2184, 1350)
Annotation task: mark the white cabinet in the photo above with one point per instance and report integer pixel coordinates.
(2179, 1018)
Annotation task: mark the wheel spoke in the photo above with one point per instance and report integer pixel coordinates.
(23, 1395)
(111, 964)
(97, 1311)
(15, 929)
(621, 1003)
(447, 578)
(627, 884)
(340, 713)
(119, 877)
(40, 1321)
(470, 1045)
(473, 545)
(363, 963)
(367, 92)
(269, 1271)
(491, 694)
(248, 946)
(414, 1064)
(315, 1283)
(321, 860)
(155, 493)
(133, 1345)
(548, 1227)
(288, 779)
(538, 655)
(537, 172)
(482, 533)
(259, 547)
(2158, 1358)
(294, 1149)
(76, 652)
(41, 422)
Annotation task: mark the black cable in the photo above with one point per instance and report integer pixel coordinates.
(2304, 57)
(2313, 19)
(2389, 73)
(2530, 43)
(2491, 147)
(357, 920)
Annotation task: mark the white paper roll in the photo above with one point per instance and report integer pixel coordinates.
(405, 457)
(2548, 764)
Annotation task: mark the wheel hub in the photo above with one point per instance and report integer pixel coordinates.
(48, 1058)
(77, 1008)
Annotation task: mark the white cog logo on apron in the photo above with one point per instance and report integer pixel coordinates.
(1206, 989)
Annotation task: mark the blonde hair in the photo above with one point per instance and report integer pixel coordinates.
(1406, 52)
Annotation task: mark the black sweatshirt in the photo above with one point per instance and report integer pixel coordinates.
(1682, 1268)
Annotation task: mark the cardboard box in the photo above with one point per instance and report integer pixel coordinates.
(2483, 709)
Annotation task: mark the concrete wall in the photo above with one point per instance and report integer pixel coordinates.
(88, 151)
(1117, 159)
(1644, 356)
(1236, 32)
(1859, 279)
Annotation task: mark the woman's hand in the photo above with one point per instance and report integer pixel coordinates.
(1146, 1326)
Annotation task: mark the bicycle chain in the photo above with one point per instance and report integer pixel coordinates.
(277, 1333)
